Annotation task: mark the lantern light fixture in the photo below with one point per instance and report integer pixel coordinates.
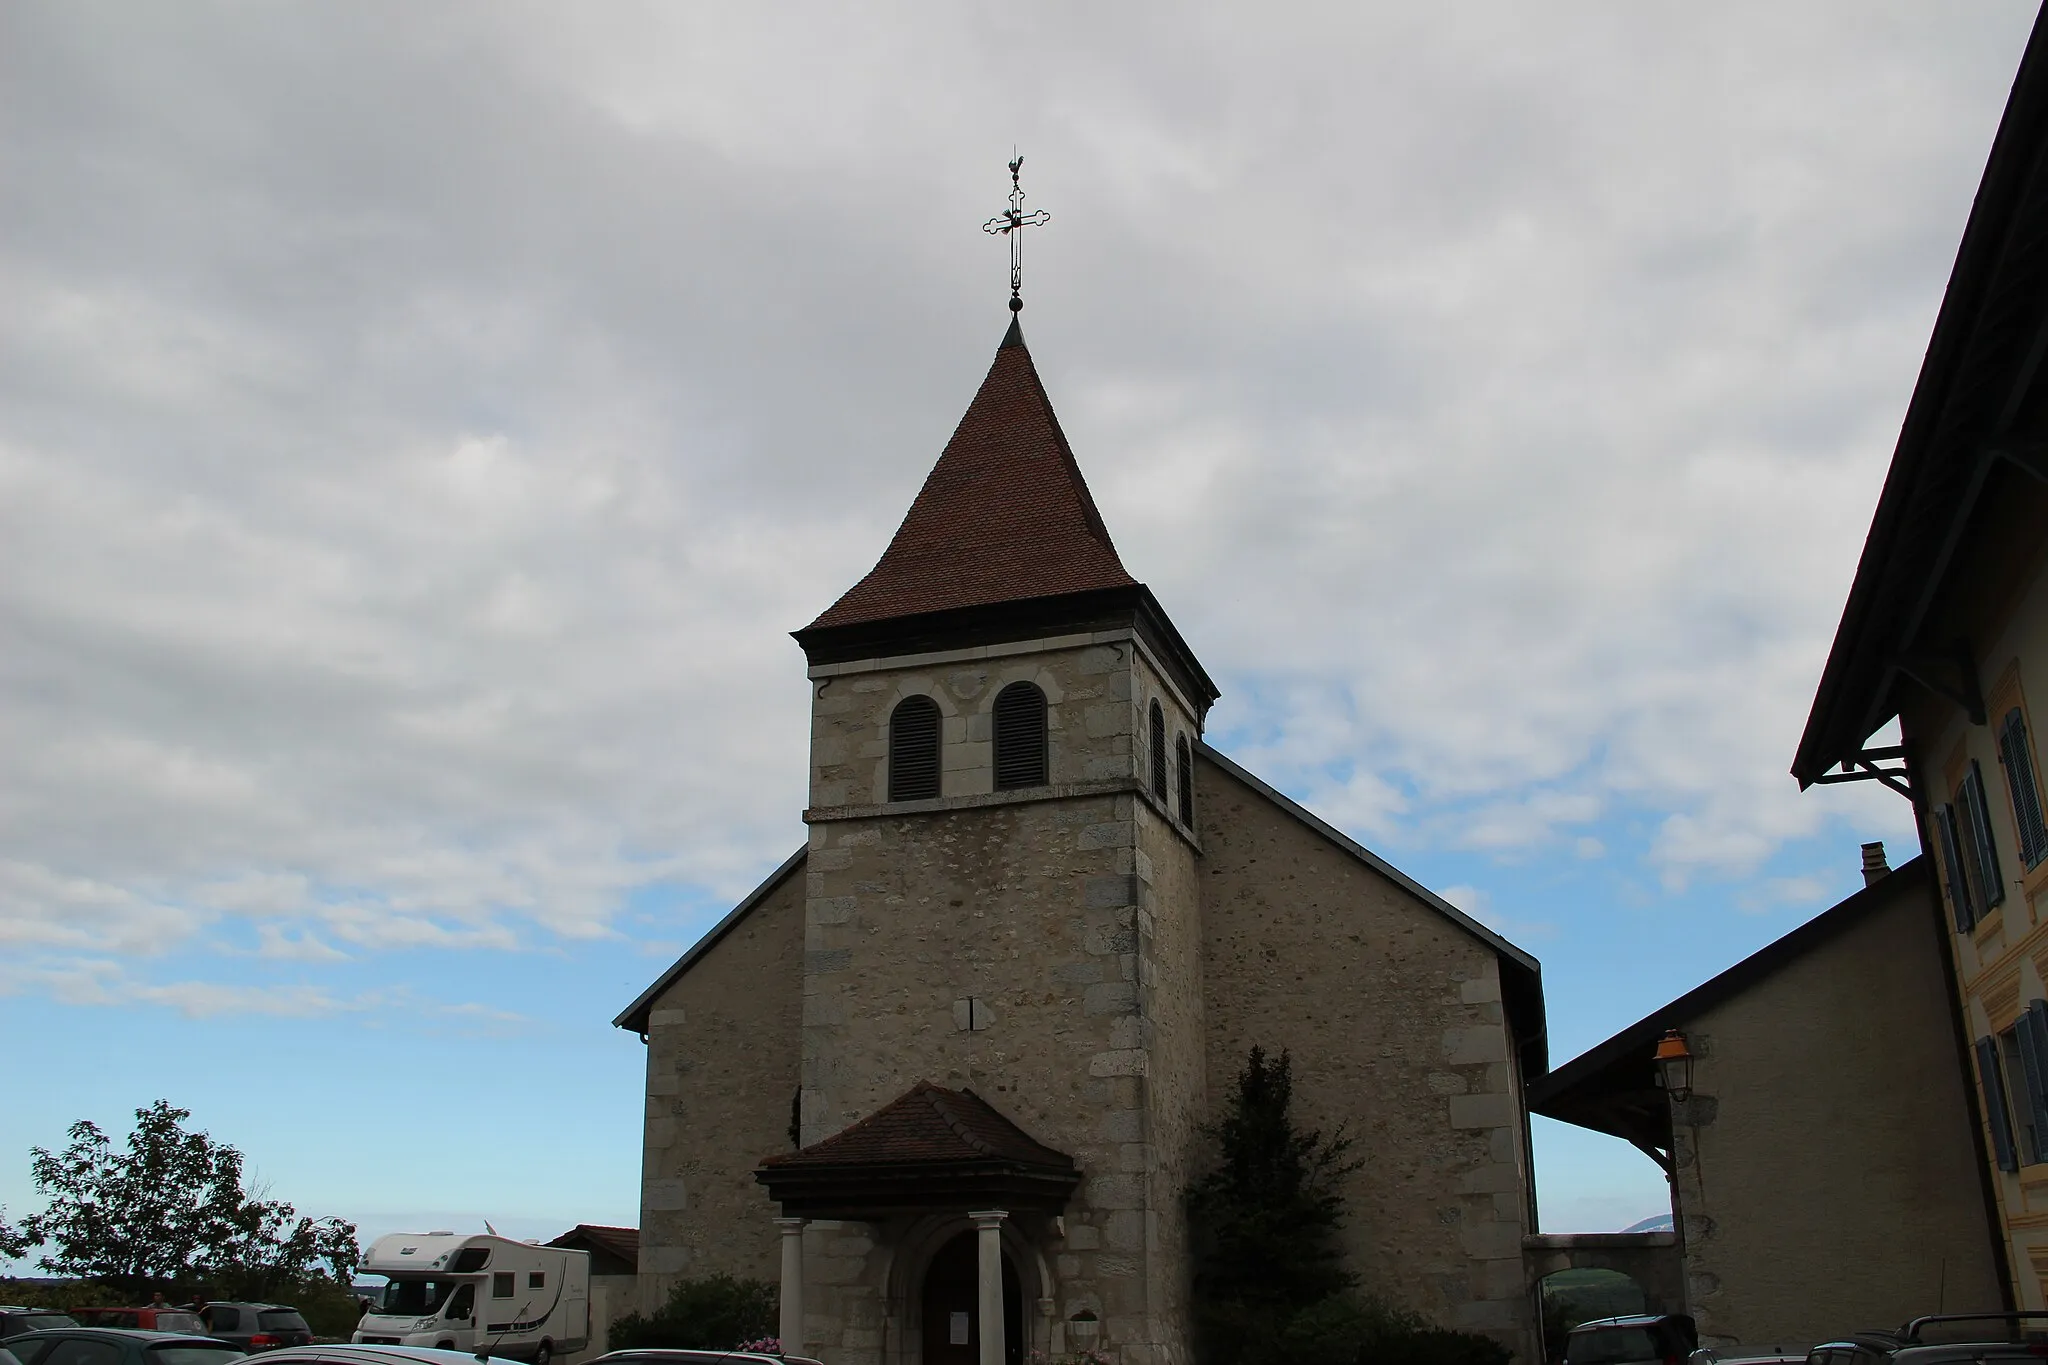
(1674, 1065)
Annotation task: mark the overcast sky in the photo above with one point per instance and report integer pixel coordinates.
(421, 425)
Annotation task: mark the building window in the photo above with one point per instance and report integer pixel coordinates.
(1948, 838)
(914, 750)
(1020, 737)
(1184, 780)
(1991, 1075)
(1158, 747)
(2018, 757)
(2019, 1094)
(1973, 818)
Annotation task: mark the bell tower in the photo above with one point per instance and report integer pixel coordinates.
(1003, 854)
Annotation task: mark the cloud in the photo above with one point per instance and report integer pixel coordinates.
(415, 441)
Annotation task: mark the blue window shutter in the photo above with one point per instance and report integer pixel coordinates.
(2018, 757)
(1977, 814)
(2033, 1038)
(1952, 868)
(1994, 1104)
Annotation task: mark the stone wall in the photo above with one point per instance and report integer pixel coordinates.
(1828, 1112)
(722, 1068)
(1392, 1014)
(1050, 910)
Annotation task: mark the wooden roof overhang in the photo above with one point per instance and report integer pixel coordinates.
(1975, 432)
(930, 1149)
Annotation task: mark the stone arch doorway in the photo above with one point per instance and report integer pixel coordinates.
(950, 1306)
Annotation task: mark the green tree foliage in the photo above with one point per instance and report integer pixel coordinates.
(1266, 1219)
(13, 1242)
(170, 1210)
(713, 1314)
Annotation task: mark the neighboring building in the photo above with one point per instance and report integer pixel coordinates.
(1946, 632)
(614, 1279)
(1821, 1167)
(943, 1073)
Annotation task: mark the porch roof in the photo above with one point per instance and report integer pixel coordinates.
(929, 1148)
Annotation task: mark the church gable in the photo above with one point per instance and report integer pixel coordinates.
(723, 1029)
(1402, 1021)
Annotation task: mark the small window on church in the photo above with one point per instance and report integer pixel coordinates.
(1020, 737)
(1158, 747)
(914, 750)
(1184, 777)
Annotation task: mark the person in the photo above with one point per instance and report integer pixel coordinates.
(157, 1300)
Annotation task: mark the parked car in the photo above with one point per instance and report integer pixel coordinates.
(143, 1319)
(14, 1321)
(360, 1353)
(1944, 1339)
(1748, 1355)
(257, 1326)
(119, 1346)
(8, 1357)
(661, 1356)
(1636, 1339)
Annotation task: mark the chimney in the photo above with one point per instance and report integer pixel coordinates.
(1875, 868)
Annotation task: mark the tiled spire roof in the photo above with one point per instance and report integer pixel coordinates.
(1004, 516)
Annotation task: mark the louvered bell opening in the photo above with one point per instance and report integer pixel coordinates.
(914, 750)
(1020, 737)
(1184, 773)
(1158, 752)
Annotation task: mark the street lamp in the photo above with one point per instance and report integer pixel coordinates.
(1674, 1065)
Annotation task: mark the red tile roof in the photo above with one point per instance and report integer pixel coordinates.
(928, 1124)
(1004, 516)
(623, 1243)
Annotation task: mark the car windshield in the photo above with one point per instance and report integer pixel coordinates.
(281, 1320)
(178, 1322)
(414, 1298)
(191, 1353)
(1610, 1346)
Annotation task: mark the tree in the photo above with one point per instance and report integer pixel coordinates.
(171, 1209)
(13, 1242)
(1266, 1219)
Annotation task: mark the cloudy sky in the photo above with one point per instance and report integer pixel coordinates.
(421, 425)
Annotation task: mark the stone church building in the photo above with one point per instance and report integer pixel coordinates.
(944, 1074)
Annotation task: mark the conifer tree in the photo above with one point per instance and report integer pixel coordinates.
(1266, 1219)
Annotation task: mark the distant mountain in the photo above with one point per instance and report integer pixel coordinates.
(1661, 1223)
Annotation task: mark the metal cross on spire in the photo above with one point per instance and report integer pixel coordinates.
(1011, 222)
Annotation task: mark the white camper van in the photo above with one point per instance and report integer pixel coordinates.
(488, 1295)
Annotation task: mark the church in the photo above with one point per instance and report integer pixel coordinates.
(944, 1075)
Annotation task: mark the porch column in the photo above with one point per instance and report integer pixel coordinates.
(792, 1331)
(988, 1226)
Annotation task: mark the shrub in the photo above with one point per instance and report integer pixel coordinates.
(712, 1314)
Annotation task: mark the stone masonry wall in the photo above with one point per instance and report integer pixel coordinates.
(1392, 1014)
(1042, 907)
(722, 1066)
(1828, 1111)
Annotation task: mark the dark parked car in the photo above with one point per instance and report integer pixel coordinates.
(654, 1355)
(119, 1346)
(15, 1321)
(257, 1326)
(1944, 1339)
(1638, 1339)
